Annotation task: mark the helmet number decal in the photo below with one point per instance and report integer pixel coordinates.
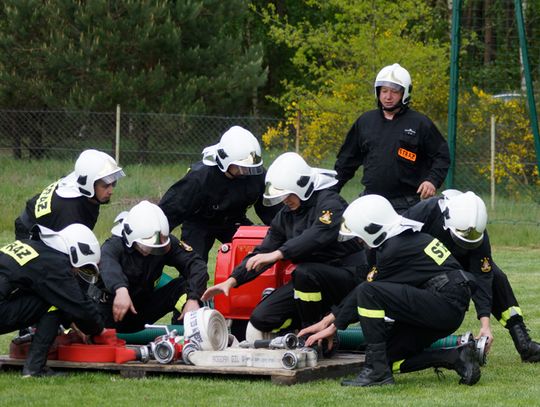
(43, 203)
(437, 251)
(20, 252)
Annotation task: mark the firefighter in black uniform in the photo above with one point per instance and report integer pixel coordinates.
(211, 201)
(38, 285)
(414, 275)
(446, 218)
(132, 264)
(73, 199)
(304, 231)
(405, 157)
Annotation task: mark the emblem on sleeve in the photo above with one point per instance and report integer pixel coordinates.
(371, 275)
(486, 265)
(326, 217)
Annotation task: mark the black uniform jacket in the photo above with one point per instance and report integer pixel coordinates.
(122, 266)
(205, 195)
(477, 261)
(31, 267)
(51, 210)
(308, 234)
(397, 155)
(409, 258)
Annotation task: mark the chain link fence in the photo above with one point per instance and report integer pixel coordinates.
(138, 138)
(494, 158)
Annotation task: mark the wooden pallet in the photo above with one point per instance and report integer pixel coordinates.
(339, 365)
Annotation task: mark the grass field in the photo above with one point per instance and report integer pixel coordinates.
(505, 380)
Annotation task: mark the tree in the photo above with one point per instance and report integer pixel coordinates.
(152, 56)
(340, 56)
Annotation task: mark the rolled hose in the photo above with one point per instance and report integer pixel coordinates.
(351, 338)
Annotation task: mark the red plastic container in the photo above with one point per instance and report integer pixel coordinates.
(242, 300)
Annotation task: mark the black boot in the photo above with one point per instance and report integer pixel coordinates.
(375, 371)
(463, 359)
(527, 348)
(44, 336)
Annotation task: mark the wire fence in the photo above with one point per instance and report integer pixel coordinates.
(500, 168)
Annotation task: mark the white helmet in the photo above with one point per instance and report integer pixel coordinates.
(465, 216)
(373, 219)
(290, 174)
(92, 165)
(146, 225)
(237, 146)
(80, 244)
(396, 77)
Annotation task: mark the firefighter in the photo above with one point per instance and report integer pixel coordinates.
(211, 201)
(75, 198)
(405, 157)
(132, 263)
(305, 232)
(446, 218)
(414, 275)
(39, 285)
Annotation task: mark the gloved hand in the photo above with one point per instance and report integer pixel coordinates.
(106, 337)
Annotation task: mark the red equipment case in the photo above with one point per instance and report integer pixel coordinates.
(242, 300)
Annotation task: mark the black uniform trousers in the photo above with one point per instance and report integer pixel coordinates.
(504, 304)
(421, 315)
(307, 298)
(150, 307)
(201, 237)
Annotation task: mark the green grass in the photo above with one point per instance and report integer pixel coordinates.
(505, 380)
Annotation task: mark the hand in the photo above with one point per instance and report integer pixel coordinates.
(319, 326)
(327, 332)
(485, 330)
(221, 288)
(122, 304)
(191, 305)
(426, 190)
(262, 259)
(80, 334)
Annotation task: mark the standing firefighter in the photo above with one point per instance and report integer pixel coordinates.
(304, 231)
(132, 263)
(39, 285)
(211, 201)
(405, 157)
(75, 198)
(417, 283)
(459, 220)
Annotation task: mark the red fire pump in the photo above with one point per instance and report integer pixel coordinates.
(241, 301)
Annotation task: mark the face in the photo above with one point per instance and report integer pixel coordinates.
(389, 97)
(233, 171)
(103, 191)
(292, 201)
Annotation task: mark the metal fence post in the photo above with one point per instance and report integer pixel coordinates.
(117, 143)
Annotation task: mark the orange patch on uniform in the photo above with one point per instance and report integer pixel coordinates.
(408, 155)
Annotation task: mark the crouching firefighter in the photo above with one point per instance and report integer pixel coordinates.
(417, 283)
(305, 232)
(39, 285)
(132, 264)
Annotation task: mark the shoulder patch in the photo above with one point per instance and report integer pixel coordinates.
(485, 267)
(43, 203)
(185, 246)
(437, 251)
(20, 252)
(326, 217)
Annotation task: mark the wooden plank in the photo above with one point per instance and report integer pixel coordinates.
(340, 365)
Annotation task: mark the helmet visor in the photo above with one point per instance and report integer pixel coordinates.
(112, 178)
(390, 85)
(273, 196)
(468, 239)
(156, 245)
(345, 233)
(249, 170)
(251, 165)
(88, 273)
